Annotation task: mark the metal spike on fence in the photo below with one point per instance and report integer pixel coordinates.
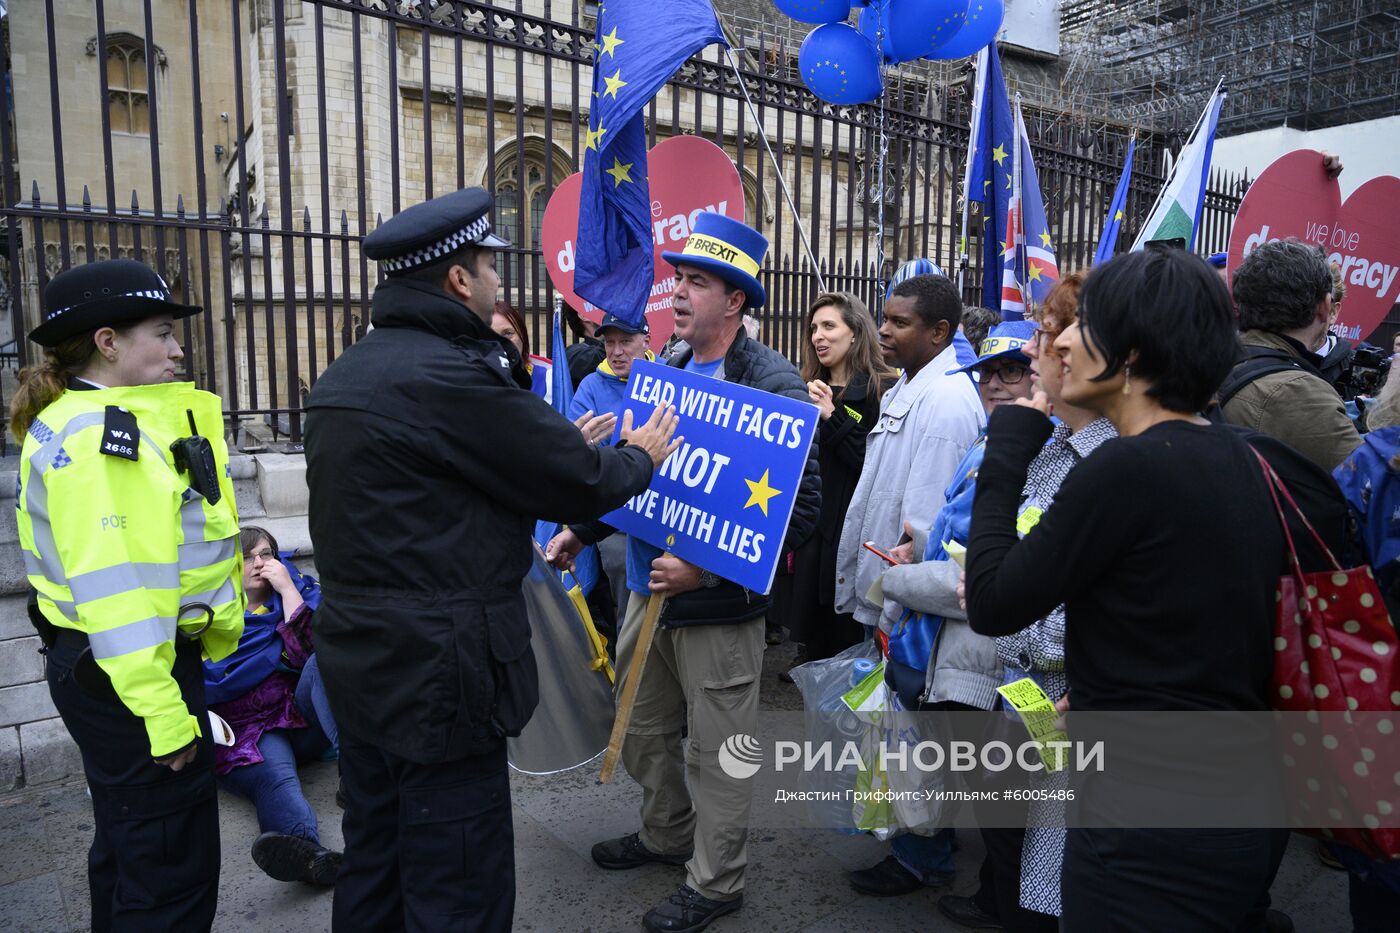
(135, 204)
(34, 194)
(87, 201)
(306, 218)
(344, 223)
(266, 223)
(180, 206)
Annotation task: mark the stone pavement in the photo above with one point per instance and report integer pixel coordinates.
(795, 876)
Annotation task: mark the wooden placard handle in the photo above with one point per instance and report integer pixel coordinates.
(628, 698)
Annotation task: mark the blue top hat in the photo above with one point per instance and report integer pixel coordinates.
(1218, 259)
(1006, 339)
(729, 249)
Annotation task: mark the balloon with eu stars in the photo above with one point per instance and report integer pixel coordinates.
(815, 11)
(839, 65)
(912, 29)
(983, 23)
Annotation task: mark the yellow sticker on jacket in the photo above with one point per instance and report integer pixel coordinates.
(1038, 714)
(1028, 519)
(854, 414)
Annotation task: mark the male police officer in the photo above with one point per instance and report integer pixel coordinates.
(708, 650)
(429, 461)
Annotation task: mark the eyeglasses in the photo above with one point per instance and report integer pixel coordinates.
(265, 554)
(1048, 335)
(1008, 373)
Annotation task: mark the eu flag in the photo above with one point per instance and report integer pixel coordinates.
(990, 166)
(1114, 222)
(639, 45)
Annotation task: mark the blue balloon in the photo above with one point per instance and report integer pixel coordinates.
(815, 11)
(838, 65)
(913, 28)
(983, 23)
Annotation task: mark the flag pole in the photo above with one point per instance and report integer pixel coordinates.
(777, 169)
(1167, 183)
(1020, 263)
(974, 131)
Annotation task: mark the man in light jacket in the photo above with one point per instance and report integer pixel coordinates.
(928, 420)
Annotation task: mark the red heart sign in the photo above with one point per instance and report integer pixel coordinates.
(1294, 197)
(686, 176)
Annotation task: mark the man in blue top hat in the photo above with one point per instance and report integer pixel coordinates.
(429, 460)
(708, 652)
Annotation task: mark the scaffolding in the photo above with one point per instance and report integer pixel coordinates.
(1301, 63)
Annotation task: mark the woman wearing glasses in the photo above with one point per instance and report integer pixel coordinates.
(269, 692)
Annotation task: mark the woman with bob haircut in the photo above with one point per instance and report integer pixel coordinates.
(1166, 550)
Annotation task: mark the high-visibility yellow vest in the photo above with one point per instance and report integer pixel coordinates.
(115, 547)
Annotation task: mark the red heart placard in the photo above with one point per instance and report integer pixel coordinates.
(686, 176)
(1294, 197)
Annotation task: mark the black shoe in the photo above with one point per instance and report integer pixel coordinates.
(772, 633)
(295, 858)
(628, 852)
(786, 676)
(687, 911)
(965, 912)
(1276, 921)
(891, 879)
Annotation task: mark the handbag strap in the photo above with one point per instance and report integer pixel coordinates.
(1277, 487)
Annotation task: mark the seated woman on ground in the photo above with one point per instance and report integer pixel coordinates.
(270, 693)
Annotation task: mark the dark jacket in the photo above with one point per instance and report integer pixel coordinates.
(428, 464)
(748, 363)
(842, 443)
(583, 358)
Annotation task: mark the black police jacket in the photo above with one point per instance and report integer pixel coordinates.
(428, 464)
(750, 363)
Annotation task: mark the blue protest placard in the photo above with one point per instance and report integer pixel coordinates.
(723, 500)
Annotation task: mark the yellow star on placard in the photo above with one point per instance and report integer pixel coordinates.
(1045, 240)
(619, 172)
(610, 43)
(760, 492)
(999, 154)
(615, 84)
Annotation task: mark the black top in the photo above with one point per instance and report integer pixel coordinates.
(1164, 547)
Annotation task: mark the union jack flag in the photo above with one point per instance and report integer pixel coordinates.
(1029, 269)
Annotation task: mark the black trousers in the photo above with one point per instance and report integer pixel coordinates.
(154, 860)
(428, 847)
(1167, 880)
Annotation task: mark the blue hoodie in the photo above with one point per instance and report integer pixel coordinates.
(601, 391)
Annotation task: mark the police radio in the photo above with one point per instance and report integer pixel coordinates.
(195, 456)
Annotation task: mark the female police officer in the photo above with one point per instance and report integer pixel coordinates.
(130, 539)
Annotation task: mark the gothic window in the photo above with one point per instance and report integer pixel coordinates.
(513, 199)
(128, 99)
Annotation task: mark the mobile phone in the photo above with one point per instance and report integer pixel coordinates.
(870, 546)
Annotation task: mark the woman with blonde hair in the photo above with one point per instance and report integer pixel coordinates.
(845, 375)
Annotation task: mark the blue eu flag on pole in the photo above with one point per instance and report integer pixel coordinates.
(639, 45)
(1114, 223)
(586, 566)
(991, 166)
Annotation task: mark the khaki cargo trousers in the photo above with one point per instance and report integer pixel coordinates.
(705, 677)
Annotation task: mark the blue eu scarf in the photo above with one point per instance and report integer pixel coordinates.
(259, 651)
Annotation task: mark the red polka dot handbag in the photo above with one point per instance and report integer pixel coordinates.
(1335, 652)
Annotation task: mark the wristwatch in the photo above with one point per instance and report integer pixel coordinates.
(710, 580)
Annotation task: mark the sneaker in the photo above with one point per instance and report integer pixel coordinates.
(287, 857)
(891, 879)
(687, 911)
(964, 911)
(628, 852)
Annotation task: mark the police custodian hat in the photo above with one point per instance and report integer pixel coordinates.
(108, 293)
(424, 233)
